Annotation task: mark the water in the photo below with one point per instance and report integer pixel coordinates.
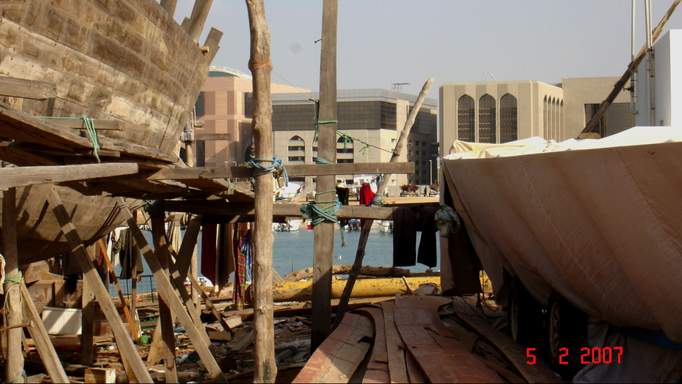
(296, 248)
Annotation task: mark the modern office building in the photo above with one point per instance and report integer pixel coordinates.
(371, 120)
(225, 106)
(502, 111)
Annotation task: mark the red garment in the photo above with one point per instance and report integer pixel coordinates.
(366, 195)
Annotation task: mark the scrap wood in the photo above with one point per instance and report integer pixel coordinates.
(241, 341)
(414, 371)
(515, 353)
(337, 358)
(441, 357)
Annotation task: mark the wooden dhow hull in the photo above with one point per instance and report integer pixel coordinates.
(39, 235)
(122, 60)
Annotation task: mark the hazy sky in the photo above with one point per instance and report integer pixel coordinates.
(385, 41)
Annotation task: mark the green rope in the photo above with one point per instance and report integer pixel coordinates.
(12, 280)
(378, 200)
(21, 374)
(316, 214)
(89, 126)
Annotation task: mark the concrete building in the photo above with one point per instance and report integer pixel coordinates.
(502, 111)
(371, 119)
(225, 106)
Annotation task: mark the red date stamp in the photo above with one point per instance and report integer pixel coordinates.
(596, 355)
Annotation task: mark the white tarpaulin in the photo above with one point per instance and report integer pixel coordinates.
(599, 221)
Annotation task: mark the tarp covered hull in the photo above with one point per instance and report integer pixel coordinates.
(601, 226)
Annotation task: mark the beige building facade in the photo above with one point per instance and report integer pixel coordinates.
(502, 111)
(225, 107)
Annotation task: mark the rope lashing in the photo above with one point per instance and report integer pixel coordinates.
(89, 126)
(20, 375)
(378, 200)
(313, 212)
(447, 221)
(253, 68)
(277, 167)
(12, 280)
(319, 160)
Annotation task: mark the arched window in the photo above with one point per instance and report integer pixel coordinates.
(545, 118)
(486, 119)
(561, 121)
(296, 150)
(465, 119)
(509, 130)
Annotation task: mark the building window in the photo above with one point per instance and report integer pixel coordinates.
(465, 119)
(248, 104)
(545, 118)
(199, 106)
(297, 159)
(508, 119)
(616, 119)
(486, 120)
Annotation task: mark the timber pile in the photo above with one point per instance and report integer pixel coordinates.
(421, 339)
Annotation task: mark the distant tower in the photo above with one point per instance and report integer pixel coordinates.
(398, 87)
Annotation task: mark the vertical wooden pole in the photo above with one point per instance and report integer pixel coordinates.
(323, 256)
(14, 365)
(364, 234)
(194, 271)
(169, 6)
(166, 318)
(133, 290)
(198, 18)
(88, 308)
(265, 370)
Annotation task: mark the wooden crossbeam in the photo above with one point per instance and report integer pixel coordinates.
(212, 136)
(75, 123)
(292, 210)
(27, 89)
(293, 170)
(22, 176)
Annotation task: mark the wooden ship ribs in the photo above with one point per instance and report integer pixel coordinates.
(125, 64)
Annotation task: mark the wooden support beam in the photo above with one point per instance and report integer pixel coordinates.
(364, 233)
(45, 348)
(222, 208)
(323, 248)
(22, 176)
(212, 41)
(26, 89)
(14, 362)
(293, 170)
(121, 297)
(77, 123)
(125, 344)
(165, 316)
(88, 318)
(198, 18)
(265, 370)
(166, 291)
(188, 247)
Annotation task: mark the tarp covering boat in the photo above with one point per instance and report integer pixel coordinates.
(598, 221)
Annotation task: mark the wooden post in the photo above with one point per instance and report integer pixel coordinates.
(167, 292)
(125, 344)
(364, 234)
(194, 272)
(133, 291)
(198, 18)
(165, 316)
(14, 365)
(265, 370)
(88, 327)
(124, 304)
(323, 255)
(169, 6)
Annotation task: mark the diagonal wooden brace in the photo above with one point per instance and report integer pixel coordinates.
(166, 291)
(123, 340)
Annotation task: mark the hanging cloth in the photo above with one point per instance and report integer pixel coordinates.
(129, 251)
(404, 237)
(239, 286)
(427, 244)
(366, 195)
(343, 193)
(209, 233)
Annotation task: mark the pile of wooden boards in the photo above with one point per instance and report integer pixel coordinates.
(420, 339)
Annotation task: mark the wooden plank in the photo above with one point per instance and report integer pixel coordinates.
(26, 89)
(100, 375)
(125, 344)
(293, 170)
(45, 348)
(442, 358)
(14, 359)
(22, 176)
(77, 123)
(166, 290)
(265, 369)
(212, 41)
(88, 314)
(339, 355)
(515, 353)
(221, 208)
(209, 304)
(212, 136)
(395, 348)
(165, 317)
(377, 367)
